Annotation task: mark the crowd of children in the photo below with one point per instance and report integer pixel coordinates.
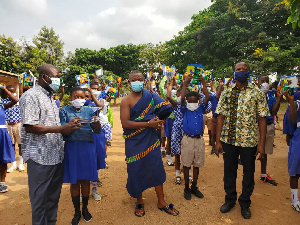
(85, 149)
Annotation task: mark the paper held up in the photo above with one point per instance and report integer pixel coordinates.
(288, 83)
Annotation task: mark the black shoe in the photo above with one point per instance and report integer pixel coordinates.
(196, 192)
(246, 213)
(225, 208)
(268, 179)
(76, 218)
(86, 215)
(187, 193)
(212, 151)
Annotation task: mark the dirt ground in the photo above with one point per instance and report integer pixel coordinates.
(270, 204)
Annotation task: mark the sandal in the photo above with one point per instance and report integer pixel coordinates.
(139, 207)
(169, 207)
(178, 180)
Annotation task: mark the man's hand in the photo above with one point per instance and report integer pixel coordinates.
(218, 148)
(70, 127)
(155, 123)
(260, 152)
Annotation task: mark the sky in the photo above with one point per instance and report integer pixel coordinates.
(96, 24)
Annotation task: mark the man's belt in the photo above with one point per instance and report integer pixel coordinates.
(269, 122)
(11, 124)
(207, 111)
(193, 136)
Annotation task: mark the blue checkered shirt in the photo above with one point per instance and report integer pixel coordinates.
(12, 115)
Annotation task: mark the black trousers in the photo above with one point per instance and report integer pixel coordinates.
(45, 184)
(247, 156)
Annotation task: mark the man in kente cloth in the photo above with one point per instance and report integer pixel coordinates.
(142, 113)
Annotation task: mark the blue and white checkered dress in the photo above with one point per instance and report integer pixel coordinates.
(12, 115)
(177, 132)
(106, 128)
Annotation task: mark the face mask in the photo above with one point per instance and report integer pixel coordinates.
(192, 106)
(96, 93)
(78, 103)
(274, 89)
(179, 99)
(173, 93)
(87, 102)
(55, 83)
(137, 86)
(264, 87)
(208, 89)
(241, 76)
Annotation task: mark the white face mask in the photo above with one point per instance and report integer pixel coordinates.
(264, 87)
(78, 103)
(173, 93)
(179, 99)
(192, 106)
(96, 93)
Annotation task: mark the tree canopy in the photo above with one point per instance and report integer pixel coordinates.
(228, 31)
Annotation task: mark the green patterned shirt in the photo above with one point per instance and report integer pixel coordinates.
(241, 107)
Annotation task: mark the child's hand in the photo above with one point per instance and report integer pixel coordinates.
(189, 78)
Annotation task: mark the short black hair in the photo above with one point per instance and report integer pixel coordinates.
(244, 63)
(193, 94)
(76, 89)
(180, 89)
(46, 68)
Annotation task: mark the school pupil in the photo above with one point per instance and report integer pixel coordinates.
(214, 99)
(7, 153)
(177, 133)
(99, 140)
(80, 163)
(294, 153)
(192, 144)
(13, 123)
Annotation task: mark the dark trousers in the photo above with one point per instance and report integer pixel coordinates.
(247, 156)
(45, 184)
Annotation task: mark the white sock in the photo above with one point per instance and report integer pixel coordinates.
(189, 172)
(169, 157)
(20, 160)
(177, 173)
(263, 175)
(294, 193)
(163, 149)
(14, 163)
(2, 183)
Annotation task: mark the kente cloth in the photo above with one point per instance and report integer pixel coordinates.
(142, 148)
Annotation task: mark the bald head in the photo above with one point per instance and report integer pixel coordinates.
(48, 69)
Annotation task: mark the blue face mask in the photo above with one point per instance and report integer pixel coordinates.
(87, 102)
(241, 76)
(137, 86)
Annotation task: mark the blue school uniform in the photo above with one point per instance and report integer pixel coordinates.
(289, 128)
(177, 133)
(193, 120)
(294, 151)
(80, 161)
(99, 141)
(214, 102)
(7, 152)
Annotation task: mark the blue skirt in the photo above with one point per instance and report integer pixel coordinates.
(99, 141)
(80, 161)
(7, 151)
(168, 127)
(294, 154)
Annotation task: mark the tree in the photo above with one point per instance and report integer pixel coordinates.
(10, 55)
(294, 18)
(47, 41)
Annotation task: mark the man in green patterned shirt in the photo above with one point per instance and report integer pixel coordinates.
(238, 109)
